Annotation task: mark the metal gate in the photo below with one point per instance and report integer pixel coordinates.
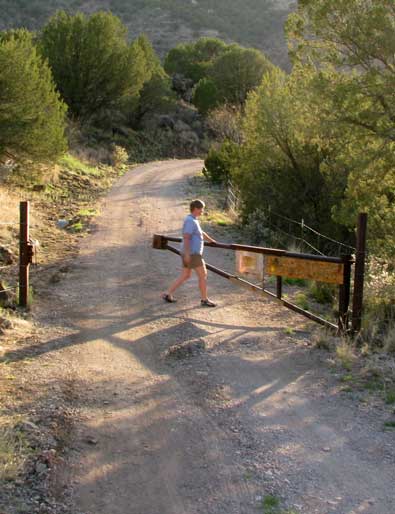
(281, 264)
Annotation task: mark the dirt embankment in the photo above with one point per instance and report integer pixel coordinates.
(35, 411)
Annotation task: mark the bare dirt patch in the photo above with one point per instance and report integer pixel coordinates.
(36, 410)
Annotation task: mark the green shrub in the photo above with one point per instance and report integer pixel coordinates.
(322, 293)
(237, 72)
(300, 282)
(94, 65)
(205, 96)
(120, 157)
(193, 60)
(302, 301)
(219, 162)
(32, 117)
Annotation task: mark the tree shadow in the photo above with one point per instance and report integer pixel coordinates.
(181, 448)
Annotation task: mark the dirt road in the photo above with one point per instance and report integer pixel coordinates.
(186, 410)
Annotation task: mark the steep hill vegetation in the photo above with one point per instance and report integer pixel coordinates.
(259, 23)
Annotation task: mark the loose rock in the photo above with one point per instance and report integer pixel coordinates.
(6, 256)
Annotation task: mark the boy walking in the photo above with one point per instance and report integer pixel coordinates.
(192, 255)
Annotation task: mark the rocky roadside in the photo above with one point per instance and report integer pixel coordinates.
(37, 391)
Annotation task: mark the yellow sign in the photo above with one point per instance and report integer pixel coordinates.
(250, 264)
(329, 272)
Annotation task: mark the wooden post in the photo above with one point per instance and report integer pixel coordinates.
(344, 295)
(23, 255)
(359, 276)
(279, 287)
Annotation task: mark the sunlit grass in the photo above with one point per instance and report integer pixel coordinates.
(14, 449)
(73, 164)
(219, 218)
(87, 213)
(345, 355)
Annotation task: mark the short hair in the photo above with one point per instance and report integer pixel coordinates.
(197, 204)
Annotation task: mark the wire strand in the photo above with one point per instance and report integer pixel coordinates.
(233, 198)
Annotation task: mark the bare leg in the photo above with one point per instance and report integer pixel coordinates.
(185, 275)
(201, 272)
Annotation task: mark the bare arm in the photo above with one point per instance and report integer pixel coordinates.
(208, 238)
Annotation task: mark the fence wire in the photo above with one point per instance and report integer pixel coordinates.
(304, 227)
(323, 245)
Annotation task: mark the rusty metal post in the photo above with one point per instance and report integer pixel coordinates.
(344, 295)
(279, 287)
(24, 261)
(359, 275)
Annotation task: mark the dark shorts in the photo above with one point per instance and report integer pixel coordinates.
(196, 262)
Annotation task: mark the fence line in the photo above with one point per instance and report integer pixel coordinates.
(304, 226)
(296, 238)
(233, 204)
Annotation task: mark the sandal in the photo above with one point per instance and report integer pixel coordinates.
(169, 299)
(207, 303)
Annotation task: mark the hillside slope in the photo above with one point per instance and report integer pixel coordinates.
(257, 23)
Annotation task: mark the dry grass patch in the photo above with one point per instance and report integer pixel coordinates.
(220, 218)
(323, 340)
(345, 354)
(9, 212)
(14, 450)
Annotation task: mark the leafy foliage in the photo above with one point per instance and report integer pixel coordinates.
(219, 162)
(285, 152)
(151, 90)
(152, 62)
(99, 74)
(194, 60)
(222, 73)
(237, 72)
(32, 117)
(351, 46)
(92, 63)
(205, 96)
(156, 95)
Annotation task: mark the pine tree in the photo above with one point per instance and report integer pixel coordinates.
(93, 64)
(32, 116)
(237, 72)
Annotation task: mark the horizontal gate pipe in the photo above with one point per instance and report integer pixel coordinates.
(248, 285)
(235, 247)
(210, 267)
(233, 278)
(264, 251)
